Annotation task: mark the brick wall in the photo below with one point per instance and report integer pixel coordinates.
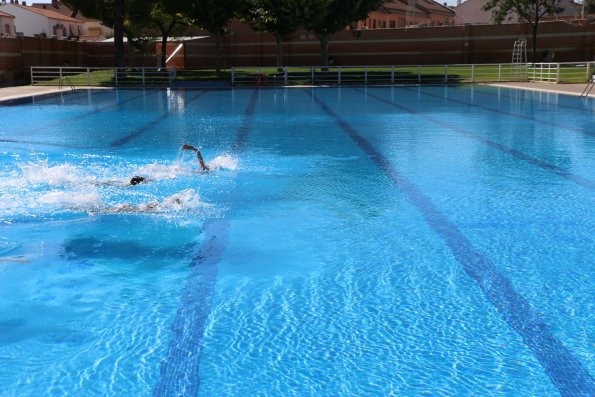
(439, 45)
(18, 55)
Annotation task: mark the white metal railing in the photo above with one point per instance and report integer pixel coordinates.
(97, 76)
(413, 74)
(317, 75)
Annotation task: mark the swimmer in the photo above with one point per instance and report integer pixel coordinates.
(153, 206)
(198, 155)
(137, 180)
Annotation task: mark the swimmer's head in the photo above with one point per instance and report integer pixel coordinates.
(137, 180)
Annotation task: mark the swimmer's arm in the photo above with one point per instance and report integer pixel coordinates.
(198, 155)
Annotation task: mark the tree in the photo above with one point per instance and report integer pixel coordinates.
(326, 17)
(279, 17)
(214, 16)
(165, 17)
(588, 7)
(530, 10)
(112, 13)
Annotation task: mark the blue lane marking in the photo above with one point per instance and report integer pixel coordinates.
(88, 114)
(242, 137)
(46, 144)
(139, 131)
(506, 113)
(180, 369)
(565, 371)
(589, 184)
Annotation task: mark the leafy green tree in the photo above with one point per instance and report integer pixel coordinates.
(588, 6)
(530, 10)
(214, 16)
(112, 13)
(166, 17)
(326, 17)
(279, 17)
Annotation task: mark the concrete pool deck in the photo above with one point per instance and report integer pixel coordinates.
(8, 93)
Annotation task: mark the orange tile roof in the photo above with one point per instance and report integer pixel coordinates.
(49, 14)
(3, 14)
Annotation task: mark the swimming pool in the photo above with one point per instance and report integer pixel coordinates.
(348, 242)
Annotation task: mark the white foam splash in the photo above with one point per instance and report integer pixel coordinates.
(184, 200)
(63, 174)
(223, 162)
(71, 199)
(158, 172)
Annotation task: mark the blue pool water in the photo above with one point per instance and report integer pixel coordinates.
(348, 242)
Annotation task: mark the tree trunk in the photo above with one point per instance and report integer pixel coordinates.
(279, 51)
(131, 61)
(324, 39)
(534, 52)
(120, 59)
(164, 49)
(218, 54)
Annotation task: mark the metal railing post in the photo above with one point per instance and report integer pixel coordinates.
(233, 75)
(142, 71)
(88, 76)
(473, 73)
(338, 75)
(33, 76)
(419, 74)
(366, 75)
(116, 75)
(446, 73)
(312, 75)
(285, 76)
(392, 75)
(588, 68)
(499, 72)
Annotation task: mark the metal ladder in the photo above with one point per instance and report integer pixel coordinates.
(589, 87)
(519, 60)
(68, 81)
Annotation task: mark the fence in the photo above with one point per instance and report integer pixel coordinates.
(414, 74)
(336, 75)
(107, 77)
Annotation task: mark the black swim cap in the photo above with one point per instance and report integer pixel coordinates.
(137, 179)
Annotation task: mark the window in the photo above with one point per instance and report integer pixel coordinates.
(7, 29)
(392, 24)
(373, 24)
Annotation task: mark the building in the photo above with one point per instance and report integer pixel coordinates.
(93, 29)
(471, 12)
(35, 22)
(404, 13)
(7, 25)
